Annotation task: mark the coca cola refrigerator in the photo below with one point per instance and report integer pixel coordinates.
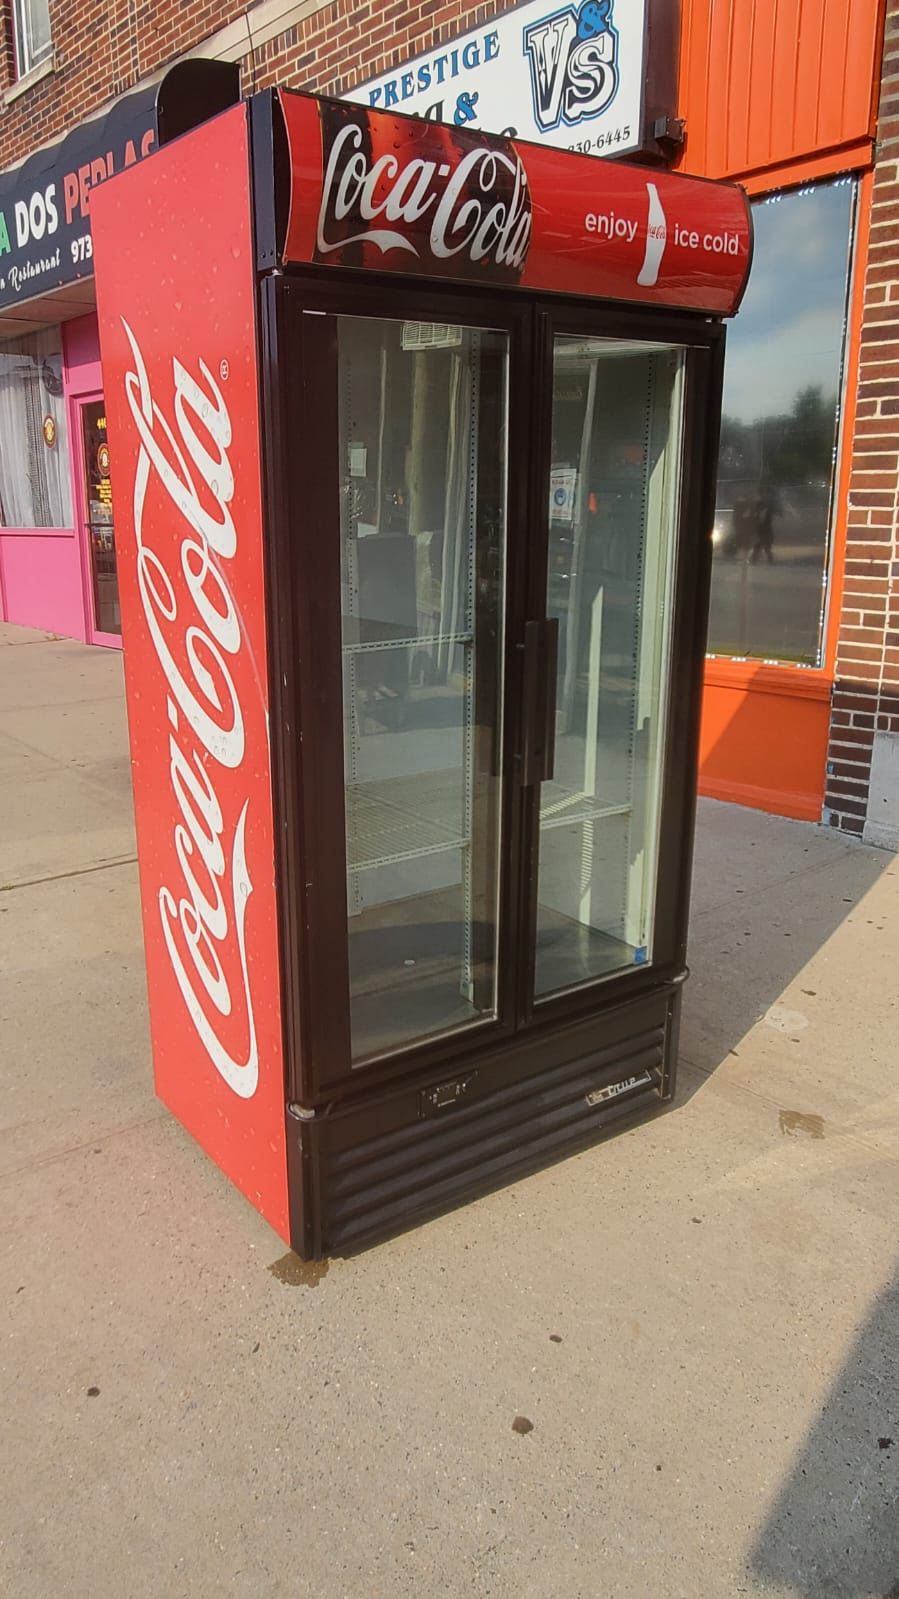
(413, 436)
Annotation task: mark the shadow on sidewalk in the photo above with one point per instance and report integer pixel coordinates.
(751, 934)
(769, 893)
(833, 1529)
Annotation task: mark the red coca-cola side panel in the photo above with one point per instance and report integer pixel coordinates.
(398, 194)
(175, 289)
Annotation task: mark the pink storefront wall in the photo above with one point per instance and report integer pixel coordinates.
(44, 572)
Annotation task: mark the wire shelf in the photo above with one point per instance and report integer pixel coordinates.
(402, 819)
(422, 642)
(561, 807)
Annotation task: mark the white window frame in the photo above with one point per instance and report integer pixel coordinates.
(26, 61)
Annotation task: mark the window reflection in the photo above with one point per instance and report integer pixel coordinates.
(783, 373)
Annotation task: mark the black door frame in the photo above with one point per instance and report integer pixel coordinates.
(299, 391)
(303, 554)
(704, 343)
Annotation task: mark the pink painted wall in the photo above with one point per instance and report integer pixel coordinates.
(81, 355)
(42, 579)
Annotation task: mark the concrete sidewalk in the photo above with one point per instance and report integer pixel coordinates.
(700, 1318)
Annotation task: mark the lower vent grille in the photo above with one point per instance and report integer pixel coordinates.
(373, 1188)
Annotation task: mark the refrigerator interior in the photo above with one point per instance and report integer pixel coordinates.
(422, 447)
(423, 453)
(614, 489)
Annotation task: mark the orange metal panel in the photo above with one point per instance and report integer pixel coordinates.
(784, 68)
(837, 26)
(694, 73)
(718, 86)
(766, 748)
(767, 82)
(758, 123)
(848, 158)
(741, 83)
(803, 112)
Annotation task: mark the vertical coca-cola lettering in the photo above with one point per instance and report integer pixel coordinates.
(456, 203)
(196, 634)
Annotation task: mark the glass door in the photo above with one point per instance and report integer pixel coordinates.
(98, 530)
(614, 492)
(422, 461)
(474, 561)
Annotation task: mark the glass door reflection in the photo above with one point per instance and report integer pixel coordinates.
(614, 492)
(423, 454)
(98, 517)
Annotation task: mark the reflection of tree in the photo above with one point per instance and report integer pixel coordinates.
(793, 448)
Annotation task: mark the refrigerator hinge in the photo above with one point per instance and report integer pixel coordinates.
(301, 1113)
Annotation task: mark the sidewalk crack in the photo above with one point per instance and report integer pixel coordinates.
(77, 871)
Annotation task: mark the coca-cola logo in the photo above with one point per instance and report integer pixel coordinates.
(196, 632)
(458, 207)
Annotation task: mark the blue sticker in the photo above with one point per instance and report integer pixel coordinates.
(641, 956)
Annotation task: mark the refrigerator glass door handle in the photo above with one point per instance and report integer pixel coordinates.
(550, 678)
(541, 648)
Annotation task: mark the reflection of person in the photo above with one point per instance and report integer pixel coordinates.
(754, 513)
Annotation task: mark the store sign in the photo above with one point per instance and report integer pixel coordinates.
(569, 75)
(45, 237)
(389, 193)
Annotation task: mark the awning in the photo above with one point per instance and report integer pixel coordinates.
(46, 253)
(45, 241)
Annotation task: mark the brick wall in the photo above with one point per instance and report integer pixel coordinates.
(865, 716)
(102, 50)
(349, 42)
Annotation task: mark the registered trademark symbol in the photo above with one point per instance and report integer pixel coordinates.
(224, 371)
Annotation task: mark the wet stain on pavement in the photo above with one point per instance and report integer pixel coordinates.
(296, 1273)
(796, 1121)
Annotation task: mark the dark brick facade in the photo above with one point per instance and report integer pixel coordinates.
(866, 691)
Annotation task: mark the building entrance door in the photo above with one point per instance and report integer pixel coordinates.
(104, 624)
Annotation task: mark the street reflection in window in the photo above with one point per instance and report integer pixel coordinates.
(783, 376)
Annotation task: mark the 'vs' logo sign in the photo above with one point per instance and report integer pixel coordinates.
(573, 57)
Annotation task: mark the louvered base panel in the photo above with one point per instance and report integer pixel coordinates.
(377, 1167)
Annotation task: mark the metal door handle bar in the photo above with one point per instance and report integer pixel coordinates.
(539, 682)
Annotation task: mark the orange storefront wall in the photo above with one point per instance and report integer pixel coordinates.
(777, 94)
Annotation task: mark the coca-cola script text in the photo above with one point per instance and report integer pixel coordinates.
(195, 630)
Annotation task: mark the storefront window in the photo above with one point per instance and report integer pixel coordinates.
(35, 489)
(782, 384)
